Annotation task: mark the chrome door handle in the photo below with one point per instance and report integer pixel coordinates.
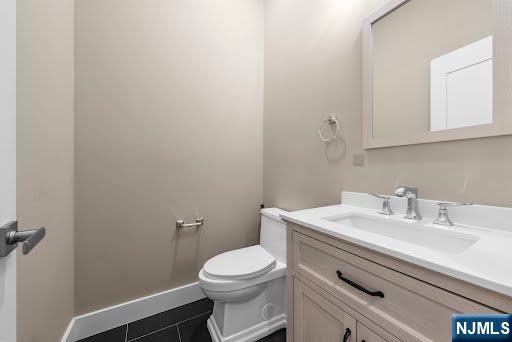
(30, 238)
(10, 237)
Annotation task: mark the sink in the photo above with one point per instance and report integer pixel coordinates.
(439, 239)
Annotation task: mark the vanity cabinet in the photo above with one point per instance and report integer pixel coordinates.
(337, 288)
(317, 319)
(364, 334)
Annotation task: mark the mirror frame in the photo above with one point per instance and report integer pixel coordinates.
(502, 83)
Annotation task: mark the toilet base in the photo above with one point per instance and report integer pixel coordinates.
(250, 334)
(249, 319)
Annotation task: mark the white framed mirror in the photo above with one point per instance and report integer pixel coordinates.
(437, 70)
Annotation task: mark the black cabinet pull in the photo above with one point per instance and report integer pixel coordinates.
(347, 335)
(359, 287)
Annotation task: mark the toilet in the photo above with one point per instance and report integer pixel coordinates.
(247, 285)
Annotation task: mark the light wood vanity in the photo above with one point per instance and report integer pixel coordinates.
(337, 289)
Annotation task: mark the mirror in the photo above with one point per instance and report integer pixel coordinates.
(434, 70)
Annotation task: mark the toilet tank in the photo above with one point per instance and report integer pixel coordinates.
(273, 233)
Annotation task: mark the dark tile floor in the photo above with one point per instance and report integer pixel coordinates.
(278, 336)
(184, 324)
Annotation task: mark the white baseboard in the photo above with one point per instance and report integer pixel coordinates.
(108, 318)
(67, 334)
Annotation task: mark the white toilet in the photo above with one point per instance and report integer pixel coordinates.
(247, 285)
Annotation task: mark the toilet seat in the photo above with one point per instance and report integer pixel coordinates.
(222, 285)
(240, 264)
(240, 269)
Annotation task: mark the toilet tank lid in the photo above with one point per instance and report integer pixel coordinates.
(273, 213)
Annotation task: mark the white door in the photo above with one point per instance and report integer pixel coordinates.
(8, 163)
(461, 87)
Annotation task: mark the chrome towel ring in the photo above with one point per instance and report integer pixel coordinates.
(330, 120)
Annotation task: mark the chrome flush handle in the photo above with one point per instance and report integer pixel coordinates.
(442, 217)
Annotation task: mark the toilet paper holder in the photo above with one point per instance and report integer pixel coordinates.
(198, 223)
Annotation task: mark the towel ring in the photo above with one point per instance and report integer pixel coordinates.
(330, 120)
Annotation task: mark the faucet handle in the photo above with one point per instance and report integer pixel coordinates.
(384, 197)
(386, 205)
(442, 217)
(444, 205)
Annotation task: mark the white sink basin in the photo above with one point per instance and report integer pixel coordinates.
(439, 239)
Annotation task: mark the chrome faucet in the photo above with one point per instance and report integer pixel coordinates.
(412, 201)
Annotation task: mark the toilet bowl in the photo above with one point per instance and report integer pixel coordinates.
(247, 285)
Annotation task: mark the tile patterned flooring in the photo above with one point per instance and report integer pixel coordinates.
(186, 323)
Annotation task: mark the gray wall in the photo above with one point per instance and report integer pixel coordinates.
(45, 85)
(168, 123)
(313, 68)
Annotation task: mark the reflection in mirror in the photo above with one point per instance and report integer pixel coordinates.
(461, 87)
(432, 67)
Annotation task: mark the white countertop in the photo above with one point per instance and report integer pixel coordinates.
(486, 263)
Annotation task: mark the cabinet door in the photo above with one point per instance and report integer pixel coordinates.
(316, 319)
(366, 335)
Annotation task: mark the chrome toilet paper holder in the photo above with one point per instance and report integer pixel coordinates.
(198, 223)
